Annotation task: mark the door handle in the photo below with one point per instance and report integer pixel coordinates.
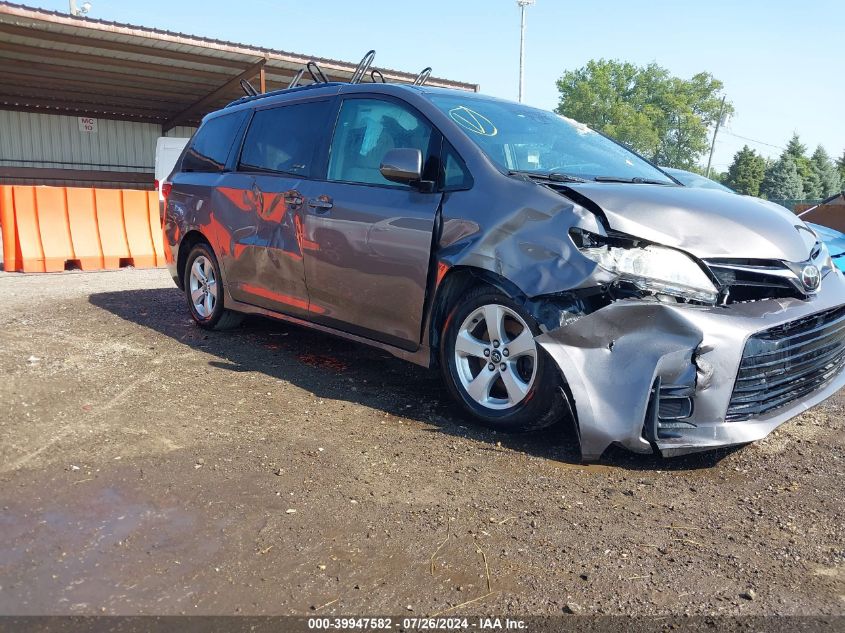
(320, 205)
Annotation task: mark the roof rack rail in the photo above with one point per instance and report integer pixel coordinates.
(316, 72)
(248, 88)
(318, 78)
(363, 67)
(425, 73)
(296, 79)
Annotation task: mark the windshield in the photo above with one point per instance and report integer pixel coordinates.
(690, 179)
(523, 139)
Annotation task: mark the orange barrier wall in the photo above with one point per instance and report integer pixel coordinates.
(48, 229)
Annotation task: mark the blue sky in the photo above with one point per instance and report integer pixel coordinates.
(782, 62)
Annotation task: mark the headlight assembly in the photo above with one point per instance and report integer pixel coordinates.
(653, 268)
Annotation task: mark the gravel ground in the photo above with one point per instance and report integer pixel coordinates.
(147, 466)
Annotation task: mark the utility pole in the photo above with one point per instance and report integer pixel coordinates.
(715, 132)
(522, 6)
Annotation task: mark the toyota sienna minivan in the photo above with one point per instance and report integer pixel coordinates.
(547, 271)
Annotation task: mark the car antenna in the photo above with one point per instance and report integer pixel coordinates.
(316, 72)
(248, 88)
(363, 67)
(377, 77)
(425, 73)
(296, 79)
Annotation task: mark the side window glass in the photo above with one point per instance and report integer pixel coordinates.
(455, 174)
(366, 130)
(210, 146)
(285, 139)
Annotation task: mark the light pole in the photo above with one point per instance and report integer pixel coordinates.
(522, 6)
(77, 10)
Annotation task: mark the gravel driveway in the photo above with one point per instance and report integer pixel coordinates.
(147, 466)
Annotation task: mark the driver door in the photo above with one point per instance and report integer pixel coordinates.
(369, 239)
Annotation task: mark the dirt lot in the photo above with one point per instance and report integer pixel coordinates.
(147, 466)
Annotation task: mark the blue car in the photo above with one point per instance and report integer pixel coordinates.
(833, 239)
(835, 242)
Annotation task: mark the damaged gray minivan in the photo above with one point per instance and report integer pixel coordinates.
(545, 269)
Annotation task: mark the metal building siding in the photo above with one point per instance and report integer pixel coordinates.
(55, 141)
(181, 131)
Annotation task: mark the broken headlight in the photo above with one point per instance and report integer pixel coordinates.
(649, 267)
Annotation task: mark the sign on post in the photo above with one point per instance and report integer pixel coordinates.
(87, 124)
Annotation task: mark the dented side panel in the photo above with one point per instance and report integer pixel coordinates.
(520, 233)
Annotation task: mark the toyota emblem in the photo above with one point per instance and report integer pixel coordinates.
(810, 277)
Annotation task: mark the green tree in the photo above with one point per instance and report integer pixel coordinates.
(826, 172)
(840, 165)
(746, 173)
(810, 181)
(665, 118)
(719, 176)
(782, 181)
(796, 148)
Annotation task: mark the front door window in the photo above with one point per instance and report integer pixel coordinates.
(366, 130)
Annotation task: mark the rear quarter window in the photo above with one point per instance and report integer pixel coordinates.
(210, 147)
(286, 139)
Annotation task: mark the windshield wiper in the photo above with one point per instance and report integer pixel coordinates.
(548, 175)
(636, 180)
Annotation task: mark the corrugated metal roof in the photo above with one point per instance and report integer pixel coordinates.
(55, 62)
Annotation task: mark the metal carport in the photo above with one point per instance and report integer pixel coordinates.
(138, 82)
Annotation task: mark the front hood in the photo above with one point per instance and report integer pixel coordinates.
(704, 222)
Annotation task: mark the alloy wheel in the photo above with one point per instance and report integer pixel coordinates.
(203, 286)
(496, 357)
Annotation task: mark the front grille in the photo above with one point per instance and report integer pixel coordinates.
(753, 280)
(787, 362)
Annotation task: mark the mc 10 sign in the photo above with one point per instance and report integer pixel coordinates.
(87, 124)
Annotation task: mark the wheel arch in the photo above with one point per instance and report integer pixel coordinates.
(461, 279)
(189, 240)
(456, 282)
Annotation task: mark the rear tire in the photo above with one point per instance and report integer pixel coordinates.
(493, 367)
(204, 291)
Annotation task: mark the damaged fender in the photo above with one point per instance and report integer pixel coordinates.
(610, 360)
(529, 245)
(613, 358)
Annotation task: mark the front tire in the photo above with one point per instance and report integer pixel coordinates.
(204, 291)
(494, 368)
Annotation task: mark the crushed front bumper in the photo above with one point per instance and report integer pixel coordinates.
(619, 360)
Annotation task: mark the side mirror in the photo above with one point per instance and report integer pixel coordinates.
(402, 165)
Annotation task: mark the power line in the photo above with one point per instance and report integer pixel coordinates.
(754, 140)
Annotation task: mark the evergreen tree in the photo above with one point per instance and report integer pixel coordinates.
(840, 165)
(746, 173)
(782, 181)
(719, 176)
(796, 148)
(826, 171)
(810, 182)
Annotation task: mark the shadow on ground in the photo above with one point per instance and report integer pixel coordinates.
(330, 367)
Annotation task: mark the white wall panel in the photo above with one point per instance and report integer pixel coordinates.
(55, 141)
